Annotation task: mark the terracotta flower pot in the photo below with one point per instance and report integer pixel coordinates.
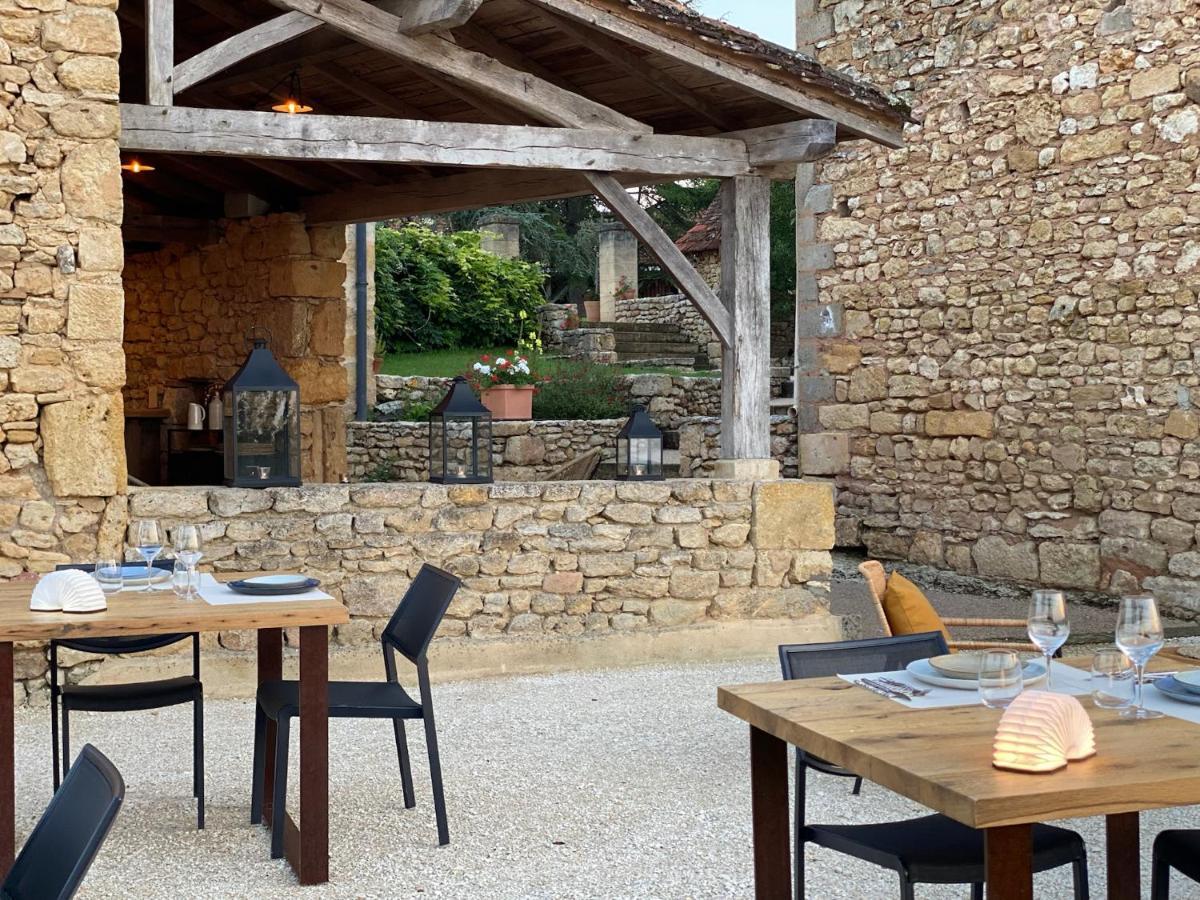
(592, 309)
(509, 401)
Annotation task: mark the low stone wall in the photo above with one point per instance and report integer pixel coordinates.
(677, 310)
(670, 399)
(596, 344)
(562, 561)
(700, 446)
(521, 451)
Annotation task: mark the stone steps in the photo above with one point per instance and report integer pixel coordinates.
(645, 327)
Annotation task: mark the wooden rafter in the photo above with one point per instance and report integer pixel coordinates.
(663, 249)
(160, 51)
(264, 135)
(231, 51)
(375, 28)
(596, 16)
(497, 49)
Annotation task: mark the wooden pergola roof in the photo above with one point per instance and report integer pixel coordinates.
(620, 87)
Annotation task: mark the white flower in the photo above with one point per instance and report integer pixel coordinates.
(500, 361)
(478, 367)
(482, 369)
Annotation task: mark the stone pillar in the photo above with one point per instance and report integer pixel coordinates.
(617, 271)
(746, 364)
(351, 343)
(501, 235)
(817, 328)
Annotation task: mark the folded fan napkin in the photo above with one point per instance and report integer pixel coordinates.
(67, 591)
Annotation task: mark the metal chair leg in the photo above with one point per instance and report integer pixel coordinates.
(1160, 878)
(976, 891)
(410, 798)
(1079, 870)
(857, 787)
(54, 734)
(906, 888)
(279, 807)
(435, 776)
(66, 739)
(198, 759)
(260, 762)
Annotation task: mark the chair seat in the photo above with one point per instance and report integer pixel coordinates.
(347, 699)
(1180, 849)
(935, 849)
(131, 697)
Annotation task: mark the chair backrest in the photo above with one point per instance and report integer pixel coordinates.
(852, 657)
(119, 644)
(67, 838)
(419, 614)
(876, 578)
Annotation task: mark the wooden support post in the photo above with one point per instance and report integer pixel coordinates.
(160, 52)
(746, 363)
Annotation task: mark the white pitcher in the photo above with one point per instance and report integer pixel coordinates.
(196, 416)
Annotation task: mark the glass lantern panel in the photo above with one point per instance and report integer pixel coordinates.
(267, 436)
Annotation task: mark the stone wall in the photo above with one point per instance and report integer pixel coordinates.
(700, 446)
(670, 398)
(62, 454)
(676, 310)
(521, 451)
(189, 311)
(1016, 290)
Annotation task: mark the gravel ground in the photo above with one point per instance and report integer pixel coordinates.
(612, 784)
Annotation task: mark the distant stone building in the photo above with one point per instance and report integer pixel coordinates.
(1015, 290)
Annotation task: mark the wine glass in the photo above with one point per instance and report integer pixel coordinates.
(1140, 636)
(188, 550)
(1047, 625)
(108, 574)
(1000, 678)
(1112, 679)
(147, 540)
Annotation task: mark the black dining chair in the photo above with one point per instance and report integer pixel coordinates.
(66, 839)
(1175, 849)
(131, 697)
(409, 633)
(932, 849)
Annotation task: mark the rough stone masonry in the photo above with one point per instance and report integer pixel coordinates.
(1016, 376)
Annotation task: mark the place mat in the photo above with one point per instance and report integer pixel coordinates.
(215, 593)
(1067, 680)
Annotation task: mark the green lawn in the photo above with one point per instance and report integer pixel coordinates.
(448, 363)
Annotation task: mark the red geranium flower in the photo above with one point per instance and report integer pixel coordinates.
(486, 358)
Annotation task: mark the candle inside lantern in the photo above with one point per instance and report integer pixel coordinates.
(639, 471)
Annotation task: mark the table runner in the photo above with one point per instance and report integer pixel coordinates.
(215, 593)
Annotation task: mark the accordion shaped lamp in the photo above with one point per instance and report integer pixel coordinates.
(1042, 732)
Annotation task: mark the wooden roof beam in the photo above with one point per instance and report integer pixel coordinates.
(375, 28)
(595, 16)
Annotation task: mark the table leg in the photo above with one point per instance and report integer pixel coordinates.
(1008, 855)
(1123, 841)
(270, 668)
(8, 806)
(769, 805)
(313, 862)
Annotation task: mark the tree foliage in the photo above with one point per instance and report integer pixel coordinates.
(443, 290)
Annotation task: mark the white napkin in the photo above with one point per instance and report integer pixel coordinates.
(70, 591)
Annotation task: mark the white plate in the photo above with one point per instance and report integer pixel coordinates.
(1189, 678)
(276, 580)
(921, 670)
(159, 576)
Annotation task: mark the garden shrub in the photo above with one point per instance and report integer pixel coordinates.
(579, 389)
(435, 291)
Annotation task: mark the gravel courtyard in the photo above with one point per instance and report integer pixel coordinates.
(613, 784)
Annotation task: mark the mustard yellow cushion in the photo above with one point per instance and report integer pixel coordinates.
(907, 609)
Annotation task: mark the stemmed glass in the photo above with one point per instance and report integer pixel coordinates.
(147, 539)
(1048, 626)
(1140, 636)
(1000, 678)
(188, 549)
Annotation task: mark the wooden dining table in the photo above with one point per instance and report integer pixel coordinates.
(145, 613)
(942, 759)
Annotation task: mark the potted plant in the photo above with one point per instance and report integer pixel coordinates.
(378, 357)
(505, 384)
(591, 308)
(624, 290)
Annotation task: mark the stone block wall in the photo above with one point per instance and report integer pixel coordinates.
(189, 312)
(62, 454)
(521, 451)
(1013, 296)
(700, 446)
(676, 310)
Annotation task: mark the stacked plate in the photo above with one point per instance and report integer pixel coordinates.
(274, 585)
(1182, 686)
(134, 575)
(960, 671)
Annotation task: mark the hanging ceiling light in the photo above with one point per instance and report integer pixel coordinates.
(137, 168)
(293, 102)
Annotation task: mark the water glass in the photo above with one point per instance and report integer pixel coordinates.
(146, 536)
(188, 550)
(1140, 636)
(1000, 678)
(108, 574)
(185, 581)
(1048, 626)
(1112, 679)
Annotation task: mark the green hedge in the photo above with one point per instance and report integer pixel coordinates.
(437, 290)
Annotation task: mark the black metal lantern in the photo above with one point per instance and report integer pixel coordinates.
(640, 449)
(460, 438)
(261, 405)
